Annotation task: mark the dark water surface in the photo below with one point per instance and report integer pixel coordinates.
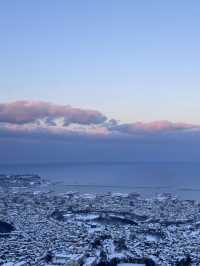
(182, 179)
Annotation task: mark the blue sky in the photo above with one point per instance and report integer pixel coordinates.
(128, 60)
(132, 60)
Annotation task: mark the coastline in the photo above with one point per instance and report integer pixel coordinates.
(97, 228)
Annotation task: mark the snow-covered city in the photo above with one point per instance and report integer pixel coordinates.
(43, 227)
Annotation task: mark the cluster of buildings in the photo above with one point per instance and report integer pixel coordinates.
(47, 228)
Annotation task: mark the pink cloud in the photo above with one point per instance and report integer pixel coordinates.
(37, 118)
(153, 127)
(23, 112)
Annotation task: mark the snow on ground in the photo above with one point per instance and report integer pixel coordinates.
(130, 264)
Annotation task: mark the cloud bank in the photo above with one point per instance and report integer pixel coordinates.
(23, 112)
(154, 127)
(36, 129)
(38, 118)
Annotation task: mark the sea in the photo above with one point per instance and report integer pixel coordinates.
(147, 178)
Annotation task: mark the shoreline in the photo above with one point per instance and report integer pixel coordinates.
(96, 229)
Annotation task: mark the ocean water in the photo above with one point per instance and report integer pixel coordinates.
(182, 179)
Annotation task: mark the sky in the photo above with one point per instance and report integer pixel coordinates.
(97, 68)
